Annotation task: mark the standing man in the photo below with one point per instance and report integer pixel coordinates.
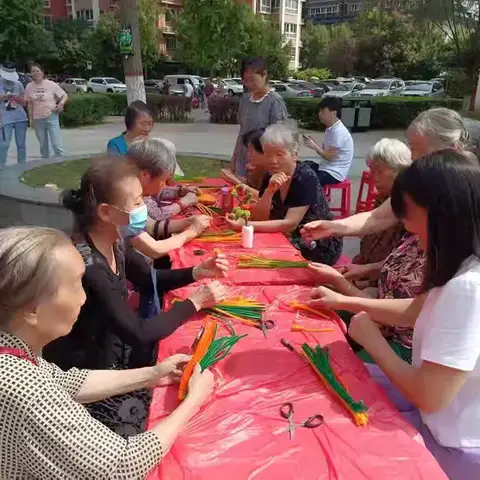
(188, 87)
(337, 150)
(13, 118)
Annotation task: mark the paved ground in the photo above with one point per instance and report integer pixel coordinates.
(199, 137)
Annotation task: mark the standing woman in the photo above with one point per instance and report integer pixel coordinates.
(12, 114)
(258, 109)
(45, 100)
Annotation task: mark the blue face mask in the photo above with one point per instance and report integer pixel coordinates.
(137, 222)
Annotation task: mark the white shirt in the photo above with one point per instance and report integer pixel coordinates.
(447, 332)
(188, 89)
(338, 136)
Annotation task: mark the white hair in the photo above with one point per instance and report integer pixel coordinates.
(445, 128)
(390, 152)
(280, 134)
(153, 155)
(29, 273)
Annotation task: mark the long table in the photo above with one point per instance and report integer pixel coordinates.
(239, 433)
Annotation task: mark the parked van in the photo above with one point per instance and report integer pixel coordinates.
(176, 82)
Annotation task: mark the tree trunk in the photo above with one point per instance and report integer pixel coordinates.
(132, 65)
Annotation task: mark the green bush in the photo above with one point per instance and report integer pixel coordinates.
(85, 109)
(223, 110)
(309, 73)
(119, 104)
(169, 108)
(387, 112)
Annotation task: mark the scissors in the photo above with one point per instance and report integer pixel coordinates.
(287, 411)
(265, 326)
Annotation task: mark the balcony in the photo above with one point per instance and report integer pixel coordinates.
(178, 3)
(168, 29)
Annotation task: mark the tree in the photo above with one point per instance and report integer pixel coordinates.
(23, 34)
(316, 42)
(148, 14)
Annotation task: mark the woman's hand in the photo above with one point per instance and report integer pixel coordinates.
(309, 142)
(324, 297)
(364, 331)
(189, 199)
(320, 229)
(325, 273)
(214, 267)
(208, 295)
(200, 385)
(233, 223)
(199, 223)
(277, 180)
(169, 371)
(184, 190)
(354, 272)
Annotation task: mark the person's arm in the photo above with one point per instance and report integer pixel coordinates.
(431, 387)
(127, 324)
(293, 217)
(62, 97)
(112, 149)
(154, 249)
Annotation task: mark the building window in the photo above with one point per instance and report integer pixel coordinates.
(291, 6)
(265, 6)
(46, 3)
(170, 43)
(290, 30)
(47, 20)
(354, 7)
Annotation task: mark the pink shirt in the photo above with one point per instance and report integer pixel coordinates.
(44, 97)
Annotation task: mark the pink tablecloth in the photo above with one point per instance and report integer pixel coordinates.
(238, 434)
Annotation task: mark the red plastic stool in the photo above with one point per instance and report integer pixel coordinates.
(346, 188)
(369, 203)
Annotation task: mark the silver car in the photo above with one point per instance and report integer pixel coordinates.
(291, 90)
(344, 90)
(383, 87)
(74, 85)
(153, 86)
(424, 89)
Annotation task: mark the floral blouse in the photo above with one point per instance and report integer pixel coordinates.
(402, 277)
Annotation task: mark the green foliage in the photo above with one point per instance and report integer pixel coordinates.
(150, 34)
(223, 110)
(86, 109)
(309, 73)
(169, 108)
(205, 25)
(387, 112)
(22, 32)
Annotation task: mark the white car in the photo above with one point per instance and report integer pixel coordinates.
(383, 87)
(231, 87)
(74, 85)
(106, 85)
(345, 90)
(424, 89)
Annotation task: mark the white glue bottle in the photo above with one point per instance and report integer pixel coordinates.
(247, 236)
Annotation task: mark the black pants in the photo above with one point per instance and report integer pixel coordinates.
(324, 177)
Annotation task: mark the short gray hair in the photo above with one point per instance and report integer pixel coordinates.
(443, 126)
(153, 155)
(283, 135)
(390, 152)
(28, 273)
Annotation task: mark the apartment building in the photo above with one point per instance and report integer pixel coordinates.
(168, 43)
(287, 14)
(89, 10)
(332, 11)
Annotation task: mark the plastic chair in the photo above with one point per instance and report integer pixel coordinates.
(369, 202)
(346, 188)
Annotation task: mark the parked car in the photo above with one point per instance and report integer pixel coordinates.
(345, 90)
(176, 81)
(231, 87)
(106, 85)
(382, 87)
(153, 86)
(315, 90)
(424, 89)
(291, 90)
(275, 82)
(74, 85)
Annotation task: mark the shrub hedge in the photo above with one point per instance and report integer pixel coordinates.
(223, 110)
(387, 112)
(92, 108)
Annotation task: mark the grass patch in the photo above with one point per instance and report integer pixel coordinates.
(67, 174)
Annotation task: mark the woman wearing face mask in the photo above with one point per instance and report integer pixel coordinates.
(139, 123)
(431, 131)
(46, 101)
(108, 334)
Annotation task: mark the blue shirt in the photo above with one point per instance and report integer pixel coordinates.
(117, 146)
(11, 112)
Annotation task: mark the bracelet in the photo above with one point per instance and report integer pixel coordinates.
(180, 204)
(165, 228)
(155, 229)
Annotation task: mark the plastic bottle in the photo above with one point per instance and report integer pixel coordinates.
(247, 236)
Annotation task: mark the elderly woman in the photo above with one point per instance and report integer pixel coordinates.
(290, 196)
(400, 274)
(108, 333)
(432, 130)
(385, 159)
(45, 431)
